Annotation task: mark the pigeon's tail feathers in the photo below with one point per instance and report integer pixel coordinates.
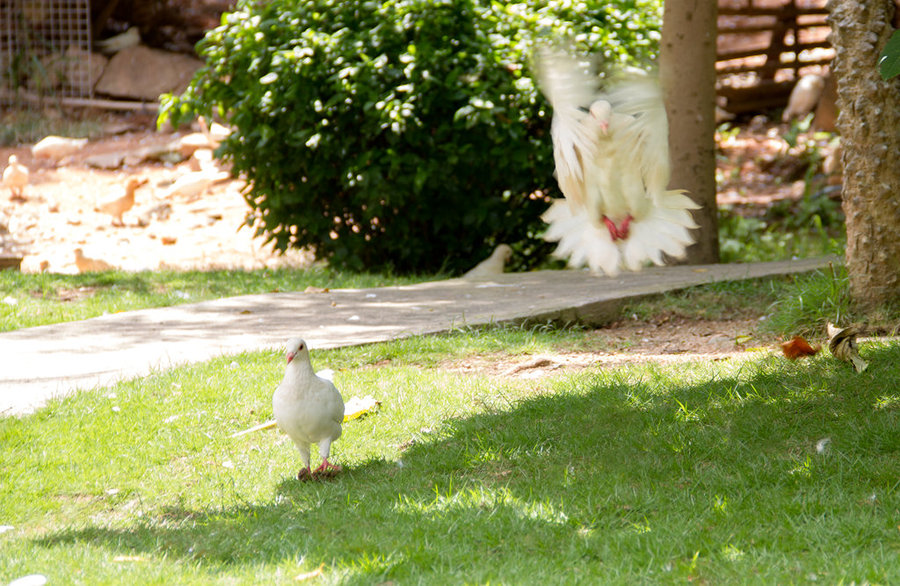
(676, 199)
(664, 231)
(581, 242)
(650, 240)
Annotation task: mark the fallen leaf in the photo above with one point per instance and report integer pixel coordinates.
(267, 425)
(358, 406)
(310, 575)
(798, 347)
(842, 343)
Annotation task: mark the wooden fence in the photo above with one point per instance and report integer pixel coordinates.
(764, 46)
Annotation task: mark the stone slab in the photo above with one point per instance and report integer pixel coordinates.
(142, 73)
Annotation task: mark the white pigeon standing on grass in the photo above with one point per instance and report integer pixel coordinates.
(612, 164)
(308, 408)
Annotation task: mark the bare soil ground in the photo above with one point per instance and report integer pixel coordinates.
(59, 212)
(666, 341)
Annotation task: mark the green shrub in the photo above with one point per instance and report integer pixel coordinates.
(403, 135)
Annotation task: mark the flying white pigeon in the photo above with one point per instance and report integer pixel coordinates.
(308, 408)
(612, 165)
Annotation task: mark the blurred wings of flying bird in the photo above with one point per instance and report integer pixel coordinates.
(612, 164)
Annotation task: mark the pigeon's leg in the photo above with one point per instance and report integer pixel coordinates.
(305, 473)
(326, 468)
(618, 232)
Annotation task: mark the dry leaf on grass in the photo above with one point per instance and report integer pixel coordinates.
(842, 343)
(356, 407)
(798, 347)
(318, 572)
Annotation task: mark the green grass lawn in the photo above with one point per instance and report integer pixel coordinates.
(706, 472)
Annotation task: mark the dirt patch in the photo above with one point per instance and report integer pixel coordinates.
(66, 295)
(674, 341)
(60, 213)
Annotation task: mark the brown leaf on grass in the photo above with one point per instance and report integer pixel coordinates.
(317, 573)
(842, 343)
(798, 347)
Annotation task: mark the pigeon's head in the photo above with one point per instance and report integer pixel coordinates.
(295, 346)
(601, 111)
(13, 159)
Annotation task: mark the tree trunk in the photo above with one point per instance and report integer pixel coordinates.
(687, 66)
(869, 125)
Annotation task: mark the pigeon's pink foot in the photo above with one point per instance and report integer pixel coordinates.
(304, 474)
(327, 468)
(618, 232)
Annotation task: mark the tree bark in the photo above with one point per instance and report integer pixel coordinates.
(869, 125)
(687, 66)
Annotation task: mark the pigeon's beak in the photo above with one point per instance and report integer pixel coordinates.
(290, 357)
(604, 127)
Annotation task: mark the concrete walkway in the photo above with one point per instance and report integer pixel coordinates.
(42, 362)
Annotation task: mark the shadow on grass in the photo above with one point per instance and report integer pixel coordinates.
(774, 472)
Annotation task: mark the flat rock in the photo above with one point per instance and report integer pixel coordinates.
(142, 73)
(133, 156)
(105, 160)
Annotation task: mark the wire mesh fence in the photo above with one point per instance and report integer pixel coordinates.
(45, 49)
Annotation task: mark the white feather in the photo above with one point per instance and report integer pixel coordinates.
(612, 164)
